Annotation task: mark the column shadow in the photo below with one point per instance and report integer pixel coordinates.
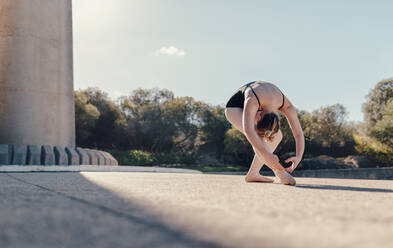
(68, 210)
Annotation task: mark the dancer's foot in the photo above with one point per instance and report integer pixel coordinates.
(285, 177)
(258, 178)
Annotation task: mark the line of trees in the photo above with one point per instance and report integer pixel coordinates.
(155, 121)
(374, 137)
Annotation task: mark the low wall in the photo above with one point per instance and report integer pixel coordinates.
(23, 155)
(363, 173)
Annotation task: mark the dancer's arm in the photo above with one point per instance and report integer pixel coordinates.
(290, 113)
(249, 111)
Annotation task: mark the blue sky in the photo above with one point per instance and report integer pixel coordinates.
(318, 52)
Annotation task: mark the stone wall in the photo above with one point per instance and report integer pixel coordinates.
(53, 155)
(362, 173)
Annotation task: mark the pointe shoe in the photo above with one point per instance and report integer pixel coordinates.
(285, 177)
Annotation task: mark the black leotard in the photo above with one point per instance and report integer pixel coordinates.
(237, 99)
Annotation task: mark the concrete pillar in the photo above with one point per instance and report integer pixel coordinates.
(36, 73)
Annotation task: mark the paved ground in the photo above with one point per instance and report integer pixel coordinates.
(92, 168)
(111, 209)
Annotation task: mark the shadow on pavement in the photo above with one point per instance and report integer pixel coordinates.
(335, 187)
(67, 210)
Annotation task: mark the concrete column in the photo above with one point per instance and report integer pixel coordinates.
(36, 73)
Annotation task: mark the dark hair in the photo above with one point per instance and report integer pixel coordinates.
(268, 126)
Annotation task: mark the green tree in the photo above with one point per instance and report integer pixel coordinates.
(182, 114)
(327, 132)
(157, 121)
(375, 137)
(383, 129)
(238, 148)
(213, 129)
(146, 127)
(108, 127)
(86, 115)
(376, 101)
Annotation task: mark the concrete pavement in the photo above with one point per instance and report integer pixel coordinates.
(123, 209)
(91, 168)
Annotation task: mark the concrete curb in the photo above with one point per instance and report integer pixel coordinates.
(33, 155)
(73, 156)
(92, 156)
(91, 168)
(47, 155)
(60, 156)
(17, 154)
(4, 158)
(83, 157)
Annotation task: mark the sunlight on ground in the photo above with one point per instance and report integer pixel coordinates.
(225, 209)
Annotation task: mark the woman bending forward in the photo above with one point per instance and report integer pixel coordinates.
(253, 111)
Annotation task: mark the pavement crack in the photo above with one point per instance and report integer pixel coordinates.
(179, 236)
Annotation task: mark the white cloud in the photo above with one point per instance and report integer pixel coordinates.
(170, 51)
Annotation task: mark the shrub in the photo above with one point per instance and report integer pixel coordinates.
(143, 158)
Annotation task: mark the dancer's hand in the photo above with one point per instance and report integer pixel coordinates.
(295, 162)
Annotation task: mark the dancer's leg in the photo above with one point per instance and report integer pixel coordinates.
(234, 116)
(258, 162)
(253, 174)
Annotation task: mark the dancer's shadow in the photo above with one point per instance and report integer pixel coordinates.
(349, 188)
